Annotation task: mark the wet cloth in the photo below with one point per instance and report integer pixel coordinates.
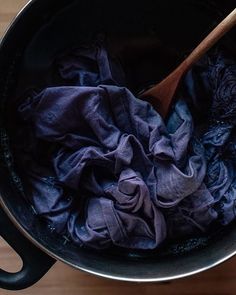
(105, 169)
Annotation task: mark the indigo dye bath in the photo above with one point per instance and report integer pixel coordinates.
(103, 167)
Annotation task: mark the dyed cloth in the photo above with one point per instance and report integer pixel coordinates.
(105, 169)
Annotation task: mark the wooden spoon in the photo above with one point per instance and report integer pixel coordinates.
(161, 95)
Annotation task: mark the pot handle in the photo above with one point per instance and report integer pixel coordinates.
(35, 262)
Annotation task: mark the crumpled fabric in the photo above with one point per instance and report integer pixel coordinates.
(210, 89)
(105, 169)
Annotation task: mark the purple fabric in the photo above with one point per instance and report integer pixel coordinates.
(104, 168)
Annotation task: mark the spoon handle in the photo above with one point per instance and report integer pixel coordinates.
(209, 41)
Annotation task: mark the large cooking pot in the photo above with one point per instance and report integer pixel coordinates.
(180, 26)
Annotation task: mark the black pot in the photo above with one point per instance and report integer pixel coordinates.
(180, 26)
